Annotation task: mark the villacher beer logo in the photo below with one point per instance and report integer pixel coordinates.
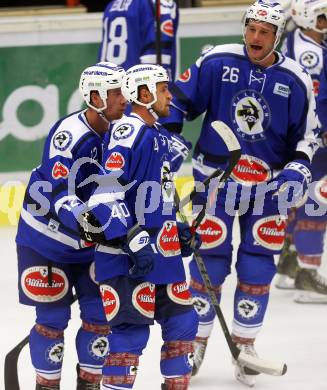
(251, 170)
(143, 299)
(178, 292)
(110, 300)
(168, 240)
(60, 171)
(185, 77)
(321, 190)
(167, 28)
(35, 284)
(115, 161)
(213, 232)
(270, 232)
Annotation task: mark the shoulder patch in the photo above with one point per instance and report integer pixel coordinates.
(62, 140)
(123, 131)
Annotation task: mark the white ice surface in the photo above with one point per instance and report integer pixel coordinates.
(294, 333)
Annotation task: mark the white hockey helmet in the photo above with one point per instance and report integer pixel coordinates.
(100, 77)
(267, 11)
(145, 74)
(306, 12)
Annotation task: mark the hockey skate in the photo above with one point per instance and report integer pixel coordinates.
(200, 346)
(45, 387)
(310, 287)
(287, 267)
(82, 384)
(243, 374)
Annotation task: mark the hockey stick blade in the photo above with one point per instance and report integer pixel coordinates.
(227, 135)
(263, 366)
(10, 367)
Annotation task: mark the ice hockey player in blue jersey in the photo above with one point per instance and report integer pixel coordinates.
(301, 257)
(129, 33)
(267, 100)
(140, 267)
(52, 259)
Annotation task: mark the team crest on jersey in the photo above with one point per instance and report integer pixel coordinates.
(168, 240)
(60, 171)
(248, 308)
(98, 347)
(124, 131)
(251, 170)
(55, 353)
(143, 299)
(321, 190)
(110, 301)
(309, 59)
(213, 232)
(201, 305)
(35, 284)
(250, 115)
(167, 184)
(167, 28)
(185, 77)
(179, 293)
(115, 162)
(270, 232)
(62, 140)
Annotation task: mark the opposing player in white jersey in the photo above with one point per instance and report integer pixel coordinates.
(267, 100)
(301, 257)
(52, 257)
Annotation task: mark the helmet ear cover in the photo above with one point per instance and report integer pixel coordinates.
(100, 78)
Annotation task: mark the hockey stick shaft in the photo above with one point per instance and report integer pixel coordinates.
(255, 363)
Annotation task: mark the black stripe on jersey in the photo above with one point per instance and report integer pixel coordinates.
(81, 142)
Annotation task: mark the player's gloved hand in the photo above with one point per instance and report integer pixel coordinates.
(90, 229)
(180, 149)
(185, 238)
(292, 183)
(138, 247)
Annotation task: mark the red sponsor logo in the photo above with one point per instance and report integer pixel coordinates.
(184, 77)
(115, 161)
(270, 232)
(168, 240)
(262, 12)
(321, 190)
(251, 170)
(35, 284)
(110, 301)
(316, 85)
(178, 292)
(143, 299)
(167, 28)
(59, 171)
(213, 232)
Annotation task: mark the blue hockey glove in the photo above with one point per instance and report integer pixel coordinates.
(138, 247)
(185, 238)
(292, 183)
(180, 149)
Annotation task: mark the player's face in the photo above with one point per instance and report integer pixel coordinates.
(161, 106)
(116, 104)
(260, 39)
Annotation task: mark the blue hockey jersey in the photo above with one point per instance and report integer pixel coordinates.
(129, 33)
(138, 188)
(271, 110)
(57, 190)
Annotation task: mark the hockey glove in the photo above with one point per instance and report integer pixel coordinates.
(180, 149)
(185, 238)
(90, 229)
(292, 183)
(138, 247)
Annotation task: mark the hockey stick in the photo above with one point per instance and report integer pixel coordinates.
(251, 362)
(11, 366)
(157, 14)
(11, 363)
